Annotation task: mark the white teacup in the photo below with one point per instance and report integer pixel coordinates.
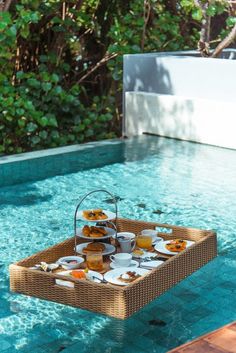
(150, 232)
(125, 235)
(121, 259)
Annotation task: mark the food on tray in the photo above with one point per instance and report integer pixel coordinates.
(138, 252)
(176, 245)
(71, 262)
(94, 232)
(94, 215)
(43, 266)
(94, 247)
(128, 276)
(89, 214)
(78, 274)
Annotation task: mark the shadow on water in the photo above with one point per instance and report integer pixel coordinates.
(24, 195)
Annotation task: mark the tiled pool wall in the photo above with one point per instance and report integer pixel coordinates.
(39, 165)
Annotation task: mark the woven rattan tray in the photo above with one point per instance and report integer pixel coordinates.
(108, 299)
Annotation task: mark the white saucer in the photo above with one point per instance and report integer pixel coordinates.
(133, 264)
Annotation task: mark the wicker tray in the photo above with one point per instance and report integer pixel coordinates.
(108, 299)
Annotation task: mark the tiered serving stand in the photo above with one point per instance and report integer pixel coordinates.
(109, 299)
(109, 224)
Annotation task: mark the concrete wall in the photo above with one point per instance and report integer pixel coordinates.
(191, 98)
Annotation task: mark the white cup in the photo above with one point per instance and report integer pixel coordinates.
(125, 235)
(150, 232)
(121, 259)
(126, 244)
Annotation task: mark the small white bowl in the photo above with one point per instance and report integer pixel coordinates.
(65, 262)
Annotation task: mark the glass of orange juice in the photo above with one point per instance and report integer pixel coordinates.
(94, 261)
(144, 241)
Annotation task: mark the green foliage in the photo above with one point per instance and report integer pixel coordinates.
(53, 92)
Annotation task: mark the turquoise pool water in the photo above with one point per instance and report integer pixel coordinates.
(187, 184)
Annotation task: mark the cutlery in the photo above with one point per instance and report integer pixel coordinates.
(146, 259)
(147, 267)
(99, 279)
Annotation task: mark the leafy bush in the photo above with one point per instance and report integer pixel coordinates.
(61, 64)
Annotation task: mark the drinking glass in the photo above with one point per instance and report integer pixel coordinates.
(144, 241)
(94, 261)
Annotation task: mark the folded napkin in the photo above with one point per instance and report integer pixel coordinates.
(151, 264)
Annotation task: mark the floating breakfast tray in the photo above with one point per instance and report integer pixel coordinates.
(105, 298)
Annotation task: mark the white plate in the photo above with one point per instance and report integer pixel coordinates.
(109, 249)
(133, 264)
(156, 240)
(110, 233)
(113, 275)
(144, 255)
(161, 247)
(110, 216)
(151, 264)
(90, 275)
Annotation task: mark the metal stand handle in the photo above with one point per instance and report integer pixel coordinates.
(98, 221)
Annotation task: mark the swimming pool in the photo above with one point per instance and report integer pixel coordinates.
(161, 179)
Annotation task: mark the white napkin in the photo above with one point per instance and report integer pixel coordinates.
(151, 264)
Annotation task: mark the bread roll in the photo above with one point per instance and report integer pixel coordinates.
(94, 247)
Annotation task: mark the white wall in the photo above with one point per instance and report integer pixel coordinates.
(200, 120)
(181, 96)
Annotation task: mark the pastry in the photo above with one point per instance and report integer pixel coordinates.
(138, 252)
(78, 274)
(176, 245)
(89, 214)
(94, 232)
(100, 214)
(94, 247)
(86, 231)
(94, 215)
(128, 277)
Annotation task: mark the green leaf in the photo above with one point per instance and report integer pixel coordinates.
(43, 134)
(55, 78)
(46, 86)
(87, 121)
(31, 127)
(231, 21)
(43, 121)
(20, 111)
(55, 134)
(19, 74)
(2, 148)
(29, 105)
(32, 82)
(24, 31)
(21, 123)
(52, 121)
(211, 10)
(35, 140)
(197, 14)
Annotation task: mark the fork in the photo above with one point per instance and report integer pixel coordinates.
(99, 279)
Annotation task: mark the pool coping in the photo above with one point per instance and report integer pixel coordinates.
(38, 165)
